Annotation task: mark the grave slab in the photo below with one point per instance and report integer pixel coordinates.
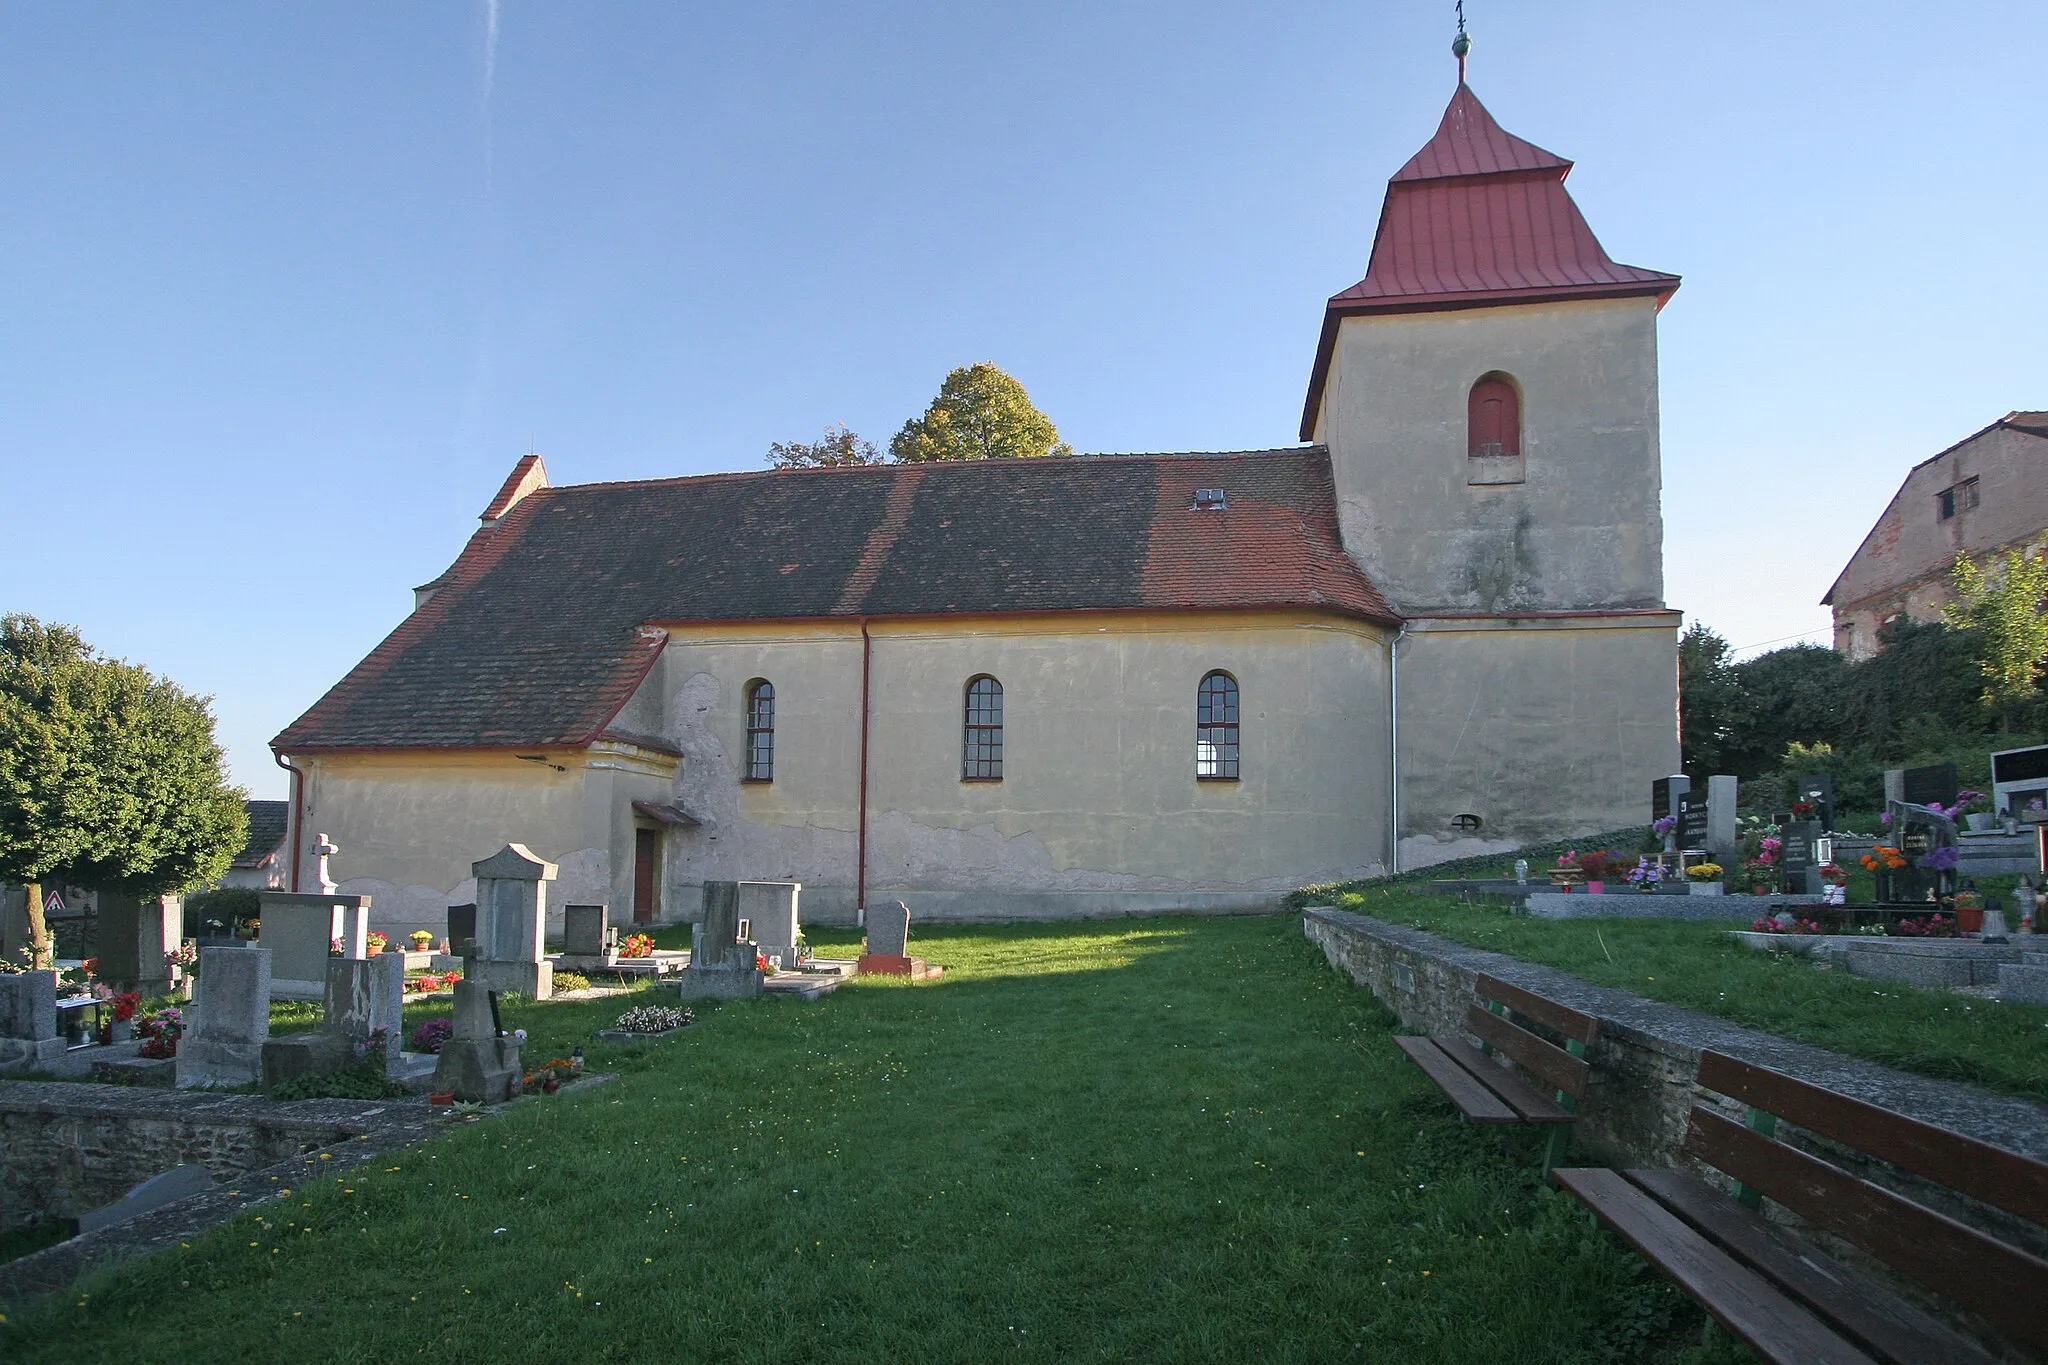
(299, 929)
(230, 1019)
(2025, 983)
(771, 909)
(179, 1182)
(28, 1022)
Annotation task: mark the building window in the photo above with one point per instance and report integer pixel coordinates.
(1493, 430)
(982, 756)
(760, 731)
(1957, 498)
(1216, 728)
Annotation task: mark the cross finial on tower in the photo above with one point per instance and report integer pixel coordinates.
(1461, 44)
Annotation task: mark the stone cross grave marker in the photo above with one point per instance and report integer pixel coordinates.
(771, 907)
(323, 849)
(511, 915)
(230, 1020)
(28, 1021)
(476, 1062)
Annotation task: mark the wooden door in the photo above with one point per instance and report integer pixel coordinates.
(646, 851)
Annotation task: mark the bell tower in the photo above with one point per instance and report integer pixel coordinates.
(1488, 391)
(1488, 397)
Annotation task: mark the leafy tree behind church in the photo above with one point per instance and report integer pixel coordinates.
(837, 446)
(110, 777)
(981, 413)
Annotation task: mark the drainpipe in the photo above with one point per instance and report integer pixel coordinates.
(298, 814)
(860, 887)
(1394, 752)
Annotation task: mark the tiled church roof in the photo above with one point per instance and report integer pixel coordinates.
(536, 635)
(1478, 217)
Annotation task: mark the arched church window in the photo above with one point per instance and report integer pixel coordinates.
(982, 743)
(1493, 430)
(1216, 728)
(760, 731)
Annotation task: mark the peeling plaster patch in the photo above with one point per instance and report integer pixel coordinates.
(1426, 850)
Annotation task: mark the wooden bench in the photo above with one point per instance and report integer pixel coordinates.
(1784, 1297)
(1487, 1092)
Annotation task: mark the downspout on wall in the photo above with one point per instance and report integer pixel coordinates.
(1394, 752)
(297, 816)
(860, 887)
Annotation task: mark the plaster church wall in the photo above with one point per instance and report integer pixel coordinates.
(1099, 811)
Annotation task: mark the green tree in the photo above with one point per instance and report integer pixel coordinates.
(1922, 686)
(981, 413)
(109, 777)
(1710, 701)
(1791, 695)
(2001, 603)
(838, 446)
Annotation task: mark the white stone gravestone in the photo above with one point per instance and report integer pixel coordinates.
(511, 922)
(771, 909)
(230, 1020)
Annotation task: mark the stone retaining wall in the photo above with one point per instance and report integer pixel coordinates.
(1646, 1059)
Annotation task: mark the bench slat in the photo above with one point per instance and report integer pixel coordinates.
(1553, 1064)
(1580, 1028)
(1474, 1100)
(1745, 1303)
(1850, 1300)
(1531, 1104)
(1978, 1271)
(2002, 1179)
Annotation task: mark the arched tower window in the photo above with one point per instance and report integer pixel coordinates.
(760, 731)
(1216, 728)
(982, 738)
(1493, 430)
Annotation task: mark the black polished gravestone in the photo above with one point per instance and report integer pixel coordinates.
(1795, 859)
(1818, 791)
(1933, 785)
(1692, 820)
(1920, 836)
(1662, 802)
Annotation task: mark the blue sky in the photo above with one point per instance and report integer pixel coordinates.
(289, 288)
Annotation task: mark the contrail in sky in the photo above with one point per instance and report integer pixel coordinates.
(490, 47)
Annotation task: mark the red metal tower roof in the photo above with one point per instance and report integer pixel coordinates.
(1477, 218)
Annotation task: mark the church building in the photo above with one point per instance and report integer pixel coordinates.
(1075, 686)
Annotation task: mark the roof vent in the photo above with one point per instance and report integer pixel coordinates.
(1208, 499)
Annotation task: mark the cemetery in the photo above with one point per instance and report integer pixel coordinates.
(168, 1143)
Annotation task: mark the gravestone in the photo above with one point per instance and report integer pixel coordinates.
(179, 1182)
(1796, 859)
(888, 946)
(2019, 777)
(1932, 785)
(461, 926)
(387, 1003)
(299, 929)
(1918, 832)
(477, 1063)
(348, 1016)
(1894, 785)
(28, 1021)
(721, 963)
(230, 1019)
(135, 933)
(1664, 794)
(1818, 791)
(1692, 820)
(587, 940)
(511, 922)
(1721, 800)
(771, 907)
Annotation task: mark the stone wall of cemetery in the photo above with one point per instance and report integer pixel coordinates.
(66, 1149)
(1646, 1059)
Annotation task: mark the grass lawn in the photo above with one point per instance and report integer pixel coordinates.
(1167, 1139)
(1693, 963)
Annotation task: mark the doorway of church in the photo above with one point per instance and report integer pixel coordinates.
(646, 853)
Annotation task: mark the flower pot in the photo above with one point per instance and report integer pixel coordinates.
(1759, 891)
(1594, 887)
(1970, 918)
(1704, 889)
(374, 949)
(441, 1097)
(121, 1030)
(1980, 823)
